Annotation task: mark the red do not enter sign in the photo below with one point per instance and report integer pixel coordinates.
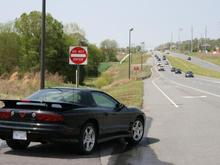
(78, 55)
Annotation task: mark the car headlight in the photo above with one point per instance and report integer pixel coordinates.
(2, 104)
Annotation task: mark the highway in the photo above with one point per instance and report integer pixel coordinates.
(182, 128)
(198, 61)
(185, 116)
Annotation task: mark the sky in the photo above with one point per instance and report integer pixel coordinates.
(153, 20)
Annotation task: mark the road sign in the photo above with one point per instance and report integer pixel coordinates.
(78, 55)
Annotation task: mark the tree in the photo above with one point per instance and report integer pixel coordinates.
(9, 48)
(95, 57)
(29, 29)
(73, 28)
(109, 50)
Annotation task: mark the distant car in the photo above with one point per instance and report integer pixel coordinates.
(178, 71)
(167, 52)
(173, 69)
(158, 64)
(166, 63)
(189, 74)
(189, 58)
(158, 59)
(161, 68)
(164, 57)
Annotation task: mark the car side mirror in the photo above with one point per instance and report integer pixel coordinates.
(119, 106)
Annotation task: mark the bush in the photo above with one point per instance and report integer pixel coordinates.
(103, 80)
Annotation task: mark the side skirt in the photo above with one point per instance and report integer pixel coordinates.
(113, 137)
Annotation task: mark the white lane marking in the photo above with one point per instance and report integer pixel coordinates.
(164, 93)
(196, 89)
(217, 82)
(193, 97)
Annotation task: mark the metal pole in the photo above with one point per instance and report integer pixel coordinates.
(77, 75)
(171, 41)
(142, 47)
(191, 50)
(129, 52)
(42, 57)
(179, 45)
(205, 39)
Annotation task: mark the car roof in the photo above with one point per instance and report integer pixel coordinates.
(78, 89)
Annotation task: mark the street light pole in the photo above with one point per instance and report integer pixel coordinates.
(129, 51)
(142, 48)
(191, 50)
(42, 57)
(179, 38)
(171, 41)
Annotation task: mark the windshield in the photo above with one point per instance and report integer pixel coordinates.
(56, 95)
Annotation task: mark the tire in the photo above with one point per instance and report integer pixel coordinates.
(137, 132)
(88, 138)
(18, 144)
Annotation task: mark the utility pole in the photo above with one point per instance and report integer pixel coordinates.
(171, 41)
(205, 39)
(142, 48)
(129, 52)
(42, 57)
(191, 50)
(179, 40)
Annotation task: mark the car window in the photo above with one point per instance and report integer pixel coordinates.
(56, 95)
(103, 100)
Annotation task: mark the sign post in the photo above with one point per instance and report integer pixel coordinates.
(78, 55)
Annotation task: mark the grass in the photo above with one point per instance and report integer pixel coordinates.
(196, 69)
(215, 59)
(129, 92)
(104, 66)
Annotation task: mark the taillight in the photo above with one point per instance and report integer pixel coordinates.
(49, 117)
(5, 114)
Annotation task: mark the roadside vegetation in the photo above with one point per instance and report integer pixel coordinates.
(196, 69)
(20, 66)
(115, 82)
(20, 40)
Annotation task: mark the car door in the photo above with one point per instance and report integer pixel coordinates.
(115, 120)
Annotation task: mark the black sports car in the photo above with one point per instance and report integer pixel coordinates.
(189, 74)
(85, 116)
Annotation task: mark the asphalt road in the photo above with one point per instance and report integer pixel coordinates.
(198, 61)
(182, 128)
(185, 116)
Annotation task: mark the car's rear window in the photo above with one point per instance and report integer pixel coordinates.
(63, 95)
(56, 95)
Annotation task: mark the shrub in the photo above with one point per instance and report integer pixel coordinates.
(103, 80)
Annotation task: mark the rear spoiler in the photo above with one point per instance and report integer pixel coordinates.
(42, 105)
